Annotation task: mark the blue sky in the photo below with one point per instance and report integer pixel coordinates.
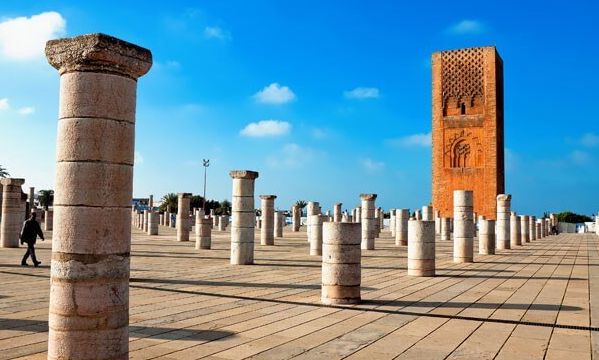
(325, 99)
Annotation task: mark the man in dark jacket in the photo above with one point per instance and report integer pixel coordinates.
(31, 230)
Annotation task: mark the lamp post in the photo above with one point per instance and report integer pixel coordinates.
(206, 163)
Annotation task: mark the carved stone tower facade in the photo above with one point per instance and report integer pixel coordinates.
(467, 136)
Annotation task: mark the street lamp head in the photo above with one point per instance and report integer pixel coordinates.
(206, 162)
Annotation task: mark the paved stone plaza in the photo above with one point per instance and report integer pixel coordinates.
(537, 301)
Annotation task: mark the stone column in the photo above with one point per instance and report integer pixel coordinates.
(297, 218)
(368, 221)
(392, 222)
(32, 200)
(268, 220)
(161, 219)
(151, 203)
(486, 237)
(48, 220)
(12, 215)
(353, 215)
(203, 231)
(596, 225)
(140, 220)
(89, 296)
(184, 200)
(401, 226)
(152, 223)
(222, 223)
(316, 222)
(524, 235)
(358, 214)
(445, 229)
(427, 213)
(312, 209)
(503, 221)
(244, 217)
(168, 213)
(538, 230)
(515, 236)
(278, 228)
(337, 215)
(438, 222)
(377, 223)
(421, 248)
(146, 218)
(172, 223)
(417, 215)
(341, 263)
(532, 227)
(215, 221)
(463, 233)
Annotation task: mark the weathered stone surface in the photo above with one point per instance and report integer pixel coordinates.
(12, 214)
(341, 280)
(503, 221)
(369, 222)
(463, 231)
(244, 217)
(421, 248)
(183, 227)
(486, 237)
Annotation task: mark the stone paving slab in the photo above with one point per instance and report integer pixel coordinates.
(538, 301)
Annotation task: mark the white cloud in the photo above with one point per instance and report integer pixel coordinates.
(372, 165)
(24, 38)
(580, 157)
(216, 32)
(138, 158)
(28, 110)
(266, 128)
(362, 93)
(464, 27)
(412, 140)
(274, 94)
(318, 133)
(589, 139)
(293, 156)
(4, 104)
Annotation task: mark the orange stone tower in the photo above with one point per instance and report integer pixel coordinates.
(467, 136)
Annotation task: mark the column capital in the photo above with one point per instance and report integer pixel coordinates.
(12, 181)
(243, 174)
(98, 53)
(268, 197)
(504, 197)
(368, 196)
(184, 195)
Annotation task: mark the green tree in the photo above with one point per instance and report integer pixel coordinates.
(301, 204)
(45, 198)
(3, 172)
(171, 200)
(196, 201)
(573, 218)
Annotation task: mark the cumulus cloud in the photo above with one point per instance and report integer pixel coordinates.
(274, 94)
(216, 32)
(589, 139)
(28, 110)
(266, 128)
(4, 104)
(23, 38)
(293, 156)
(467, 27)
(362, 93)
(423, 140)
(372, 165)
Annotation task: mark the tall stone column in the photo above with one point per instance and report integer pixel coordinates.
(421, 248)
(368, 221)
(532, 227)
(316, 222)
(392, 222)
(151, 202)
(445, 229)
(463, 232)
(438, 222)
(503, 221)
(539, 230)
(222, 223)
(337, 215)
(279, 221)
(244, 217)
(515, 235)
(48, 220)
(89, 296)
(146, 218)
(341, 263)
(203, 232)
(268, 220)
(32, 200)
(427, 213)
(596, 224)
(152, 223)
(486, 237)
(353, 214)
(12, 215)
(418, 215)
(358, 214)
(312, 209)
(524, 235)
(401, 226)
(182, 222)
(297, 218)
(168, 215)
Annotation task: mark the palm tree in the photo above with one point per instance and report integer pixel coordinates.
(3, 172)
(45, 198)
(225, 207)
(301, 204)
(170, 199)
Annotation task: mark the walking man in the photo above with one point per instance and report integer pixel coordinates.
(31, 230)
